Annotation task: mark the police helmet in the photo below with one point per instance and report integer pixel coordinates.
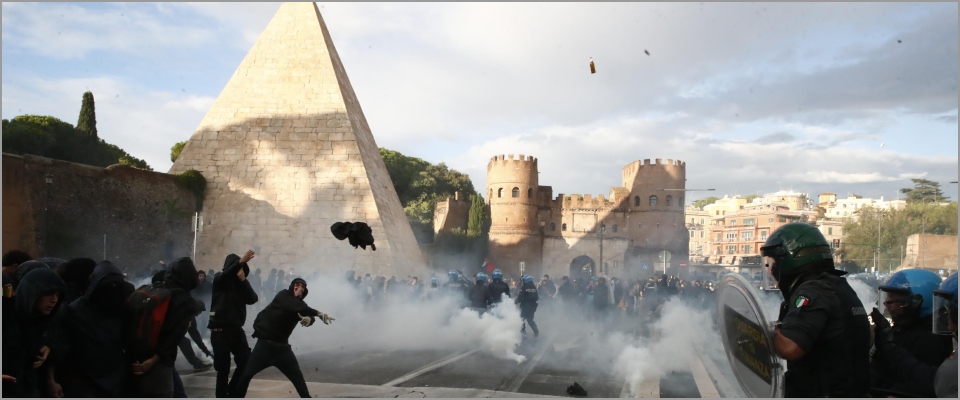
(481, 277)
(452, 274)
(497, 274)
(945, 305)
(527, 279)
(794, 246)
(917, 285)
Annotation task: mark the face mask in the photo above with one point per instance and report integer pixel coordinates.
(298, 291)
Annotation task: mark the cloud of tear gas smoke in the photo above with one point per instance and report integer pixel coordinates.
(404, 322)
(681, 335)
(868, 296)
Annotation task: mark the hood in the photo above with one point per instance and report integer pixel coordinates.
(24, 268)
(232, 259)
(34, 284)
(52, 262)
(107, 289)
(182, 274)
(305, 290)
(77, 271)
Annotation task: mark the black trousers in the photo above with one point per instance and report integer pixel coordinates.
(265, 355)
(227, 341)
(527, 316)
(188, 352)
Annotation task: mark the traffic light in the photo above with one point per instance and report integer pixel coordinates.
(836, 243)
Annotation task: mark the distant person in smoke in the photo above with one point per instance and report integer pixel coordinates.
(457, 288)
(272, 329)
(527, 299)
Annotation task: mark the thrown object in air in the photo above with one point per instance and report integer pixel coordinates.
(358, 233)
(593, 68)
(646, 52)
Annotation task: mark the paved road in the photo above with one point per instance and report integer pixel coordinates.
(553, 362)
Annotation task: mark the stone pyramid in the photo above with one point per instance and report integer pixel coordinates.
(287, 152)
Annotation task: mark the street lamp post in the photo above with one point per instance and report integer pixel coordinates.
(603, 229)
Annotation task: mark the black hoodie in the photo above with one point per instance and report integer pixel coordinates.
(92, 348)
(76, 275)
(231, 295)
(276, 322)
(25, 330)
(180, 277)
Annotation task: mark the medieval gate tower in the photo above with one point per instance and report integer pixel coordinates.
(513, 191)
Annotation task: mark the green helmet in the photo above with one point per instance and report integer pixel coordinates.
(795, 245)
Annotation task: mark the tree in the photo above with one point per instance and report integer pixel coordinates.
(924, 191)
(475, 225)
(176, 149)
(699, 204)
(749, 198)
(860, 237)
(87, 123)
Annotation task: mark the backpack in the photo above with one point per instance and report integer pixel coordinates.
(148, 307)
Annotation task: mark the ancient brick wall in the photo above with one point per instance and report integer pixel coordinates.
(145, 216)
(452, 213)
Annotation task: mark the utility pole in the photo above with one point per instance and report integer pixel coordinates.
(603, 229)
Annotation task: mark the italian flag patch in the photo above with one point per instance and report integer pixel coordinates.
(802, 301)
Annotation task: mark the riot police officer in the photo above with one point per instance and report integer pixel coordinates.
(527, 299)
(906, 298)
(498, 287)
(480, 297)
(822, 331)
(456, 288)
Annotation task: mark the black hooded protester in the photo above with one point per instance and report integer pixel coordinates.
(194, 333)
(76, 276)
(11, 261)
(27, 318)
(24, 269)
(153, 364)
(228, 313)
(88, 349)
(272, 329)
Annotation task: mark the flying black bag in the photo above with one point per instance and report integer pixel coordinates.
(148, 308)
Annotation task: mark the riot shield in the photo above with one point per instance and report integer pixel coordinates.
(745, 327)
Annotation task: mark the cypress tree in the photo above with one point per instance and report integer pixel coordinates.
(87, 124)
(477, 217)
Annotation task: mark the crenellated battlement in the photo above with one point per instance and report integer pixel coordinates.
(636, 166)
(582, 201)
(508, 160)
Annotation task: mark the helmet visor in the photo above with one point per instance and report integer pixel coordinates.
(941, 315)
(894, 304)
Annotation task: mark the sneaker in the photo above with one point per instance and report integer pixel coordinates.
(202, 368)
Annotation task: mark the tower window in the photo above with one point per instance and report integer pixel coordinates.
(563, 227)
(500, 192)
(636, 201)
(669, 200)
(680, 203)
(653, 200)
(516, 192)
(614, 228)
(530, 192)
(553, 226)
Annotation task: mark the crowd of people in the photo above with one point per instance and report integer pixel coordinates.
(80, 328)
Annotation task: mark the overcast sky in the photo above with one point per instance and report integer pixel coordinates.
(753, 96)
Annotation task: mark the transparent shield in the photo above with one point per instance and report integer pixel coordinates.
(746, 331)
(941, 315)
(893, 304)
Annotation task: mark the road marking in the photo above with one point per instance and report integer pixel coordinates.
(650, 388)
(430, 367)
(724, 385)
(704, 384)
(522, 376)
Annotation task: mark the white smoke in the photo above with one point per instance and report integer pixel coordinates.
(868, 296)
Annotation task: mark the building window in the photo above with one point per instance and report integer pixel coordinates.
(701, 234)
(769, 219)
(680, 203)
(749, 221)
(500, 192)
(746, 235)
(782, 219)
(653, 200)
(731, 236)
(733, 222)
(829, 231)
(516, 192)
(553, 226)
(639, 226)
(669, 200)
(763, 235)
(693, 221)
(701, 221)
(746, 249)
(636, 201)
(614, 228)
(530, 192)
(563, 227)
(658, 224)
(692, 234)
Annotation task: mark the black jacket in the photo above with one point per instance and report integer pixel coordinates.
(277, 320)
(527, 297)
(480, 296)
(181, 278)
(90, 347)
(231, 295)
(497, 288)
(567, 291)
(25, 330)
(922, 345)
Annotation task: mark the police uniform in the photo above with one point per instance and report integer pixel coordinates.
(826, 319)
